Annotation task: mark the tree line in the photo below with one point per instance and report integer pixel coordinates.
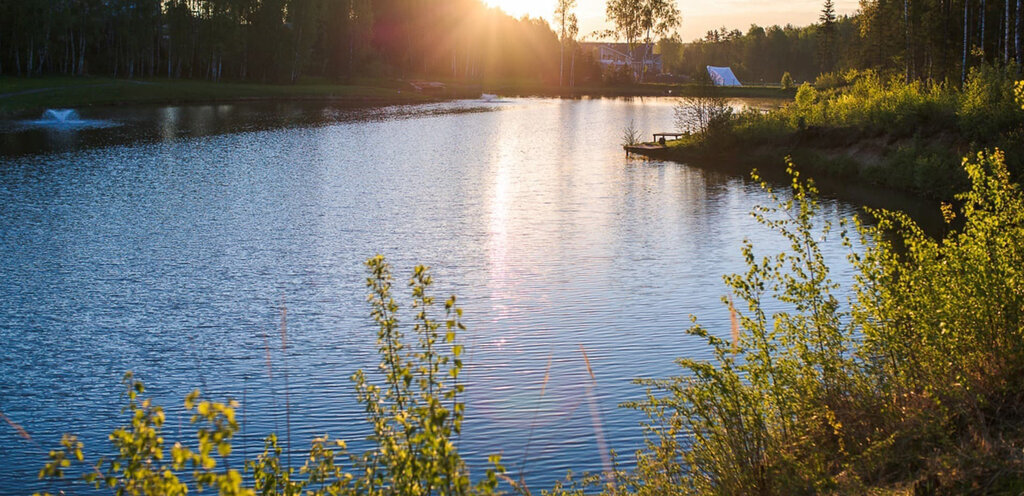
(939, 40)
(273, 40)
(284, 40)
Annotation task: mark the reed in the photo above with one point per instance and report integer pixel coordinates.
(17, 428)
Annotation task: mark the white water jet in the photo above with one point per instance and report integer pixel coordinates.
(66, 119)
(61, 116)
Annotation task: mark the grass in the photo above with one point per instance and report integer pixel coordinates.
(28, 95)
(25, 96)
(865, 128)
(532, 88)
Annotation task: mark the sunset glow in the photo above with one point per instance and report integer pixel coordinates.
(519, 8)
(697, 18)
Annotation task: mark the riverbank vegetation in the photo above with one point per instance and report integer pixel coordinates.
(28, 96)
(863, 126)
(936, 40)
(913, 385)
(285, 41)
(416, 416)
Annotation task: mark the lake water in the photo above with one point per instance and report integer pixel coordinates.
(166, 242)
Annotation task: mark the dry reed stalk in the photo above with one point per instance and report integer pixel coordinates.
(287, 400)
(270, 368)
(517, 487)
(533, 424)
(735, 322)
(595, 418)
(17, 428)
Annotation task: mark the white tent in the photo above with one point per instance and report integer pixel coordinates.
(723, 76)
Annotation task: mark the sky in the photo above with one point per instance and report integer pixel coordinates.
(698, 16)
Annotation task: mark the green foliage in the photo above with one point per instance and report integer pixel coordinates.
(903, 135)
(787, 80)
(418, 411)
(988, 103)
(415, 417)
(141, 466)
(943, 323)
(829, 81)
(916, 384)
(766, 416)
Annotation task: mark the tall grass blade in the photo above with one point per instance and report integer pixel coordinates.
(734, 321)
(287, 389)
(533, 424)
(595, 418)
(17, 428)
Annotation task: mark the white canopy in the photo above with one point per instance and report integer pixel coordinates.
(723, 76)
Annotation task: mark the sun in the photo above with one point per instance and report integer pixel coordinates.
(519, 8)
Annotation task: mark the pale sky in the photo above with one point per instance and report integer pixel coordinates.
(698, 16)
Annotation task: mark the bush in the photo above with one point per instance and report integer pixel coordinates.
(630, 134)
(829, 81)
(787, 81)
(415, 415)
(703, 113)
(988, 104)
(917, 383)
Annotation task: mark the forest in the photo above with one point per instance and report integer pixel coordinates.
(938, 40)
(272, 40)
(285, 40)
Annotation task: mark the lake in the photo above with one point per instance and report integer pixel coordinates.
(167, 240)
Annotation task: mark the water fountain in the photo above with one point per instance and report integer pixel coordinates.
(61, 116)
(65, 119)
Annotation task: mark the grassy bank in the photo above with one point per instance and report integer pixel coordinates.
(29, 95)
(864, 128)
(525, 88)
(24, 96)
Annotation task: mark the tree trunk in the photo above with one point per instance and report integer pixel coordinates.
(963, 64)
(1006, 33)
(906, 35)
(983, 16)
(572, 70)
(1016, 34)
(81, 54)
(561, 58)
(31, 56)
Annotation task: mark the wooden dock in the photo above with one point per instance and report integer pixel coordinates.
(657, 144)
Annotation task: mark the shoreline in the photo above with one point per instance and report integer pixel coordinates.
(829, 154)
(924, 209)
(22, 97)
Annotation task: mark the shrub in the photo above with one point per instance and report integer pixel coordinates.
(787, 81)
(829, 81)
(918, 382)
(703, 113)
(415, 415)
(630, 134)
(988, 104)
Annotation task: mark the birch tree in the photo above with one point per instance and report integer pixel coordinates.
(564, 17)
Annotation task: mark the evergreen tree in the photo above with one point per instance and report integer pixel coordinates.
(827, 39)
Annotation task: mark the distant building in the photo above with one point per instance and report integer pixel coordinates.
(616, 55)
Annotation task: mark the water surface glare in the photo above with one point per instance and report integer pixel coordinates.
(172, 255)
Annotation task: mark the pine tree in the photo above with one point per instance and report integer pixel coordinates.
(827, 48)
